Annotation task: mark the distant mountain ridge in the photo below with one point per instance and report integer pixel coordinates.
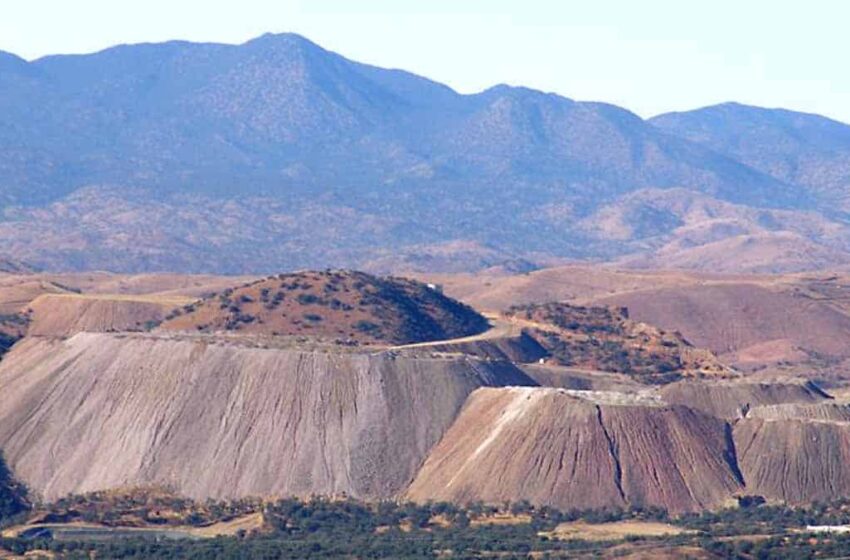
(800, 148)
(278, 154)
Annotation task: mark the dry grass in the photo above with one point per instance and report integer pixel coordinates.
(247, 523)
(501, 519)
(169, 300)
(618, 530)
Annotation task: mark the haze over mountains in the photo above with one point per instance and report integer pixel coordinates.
(278, 154)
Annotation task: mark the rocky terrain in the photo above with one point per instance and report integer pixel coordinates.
(534, 403)
(131, 160)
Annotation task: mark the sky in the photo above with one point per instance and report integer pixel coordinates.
(650, 56)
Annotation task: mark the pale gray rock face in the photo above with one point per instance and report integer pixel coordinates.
(213, 419)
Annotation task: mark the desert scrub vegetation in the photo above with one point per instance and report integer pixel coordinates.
(345, 528)
(605, 338)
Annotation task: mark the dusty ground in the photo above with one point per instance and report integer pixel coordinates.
(615, 531)
(247, 523)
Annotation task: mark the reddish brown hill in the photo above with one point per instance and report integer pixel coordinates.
(788, 323)
(607, 450)
(339, 305)
(604, 338)
(795, 459)
(730, 318)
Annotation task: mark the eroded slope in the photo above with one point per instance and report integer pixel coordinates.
(67, 314)
(733, 399)
(218, 419)
(795, 458)
(607, 450)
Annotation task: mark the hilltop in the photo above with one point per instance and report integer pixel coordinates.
(345, 306)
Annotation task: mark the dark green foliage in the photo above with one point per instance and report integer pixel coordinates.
(12, 327)
(13, 495)
(6, 342)
(309, 299)
(322, 528)
(366, 326)
(601, 338)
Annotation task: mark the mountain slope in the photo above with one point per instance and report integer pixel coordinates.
(799, 148)
(224, 158)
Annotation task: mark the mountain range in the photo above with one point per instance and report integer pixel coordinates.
(278, 154)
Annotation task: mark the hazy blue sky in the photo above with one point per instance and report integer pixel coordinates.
(648, 55)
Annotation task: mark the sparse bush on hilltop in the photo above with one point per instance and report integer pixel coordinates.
(365, 308)
(604, 338)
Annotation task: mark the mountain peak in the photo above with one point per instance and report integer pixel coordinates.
(285, 41)
(11, 62)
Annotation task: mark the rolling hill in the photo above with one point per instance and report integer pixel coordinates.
(347, 306)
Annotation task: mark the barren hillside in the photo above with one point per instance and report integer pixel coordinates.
(218, 419)
(795, 455)
(67, 314)
(734, 399)
(551, 447)
(794, 323)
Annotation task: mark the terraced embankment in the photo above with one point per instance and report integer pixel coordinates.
(796, 453)
(589, 449)
(213, 418)
(67, 314)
